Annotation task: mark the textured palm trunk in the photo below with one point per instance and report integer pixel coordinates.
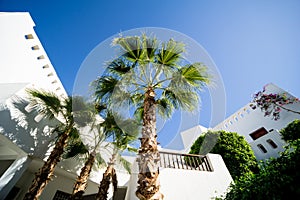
(43, 176)
(108, 177)
(148, 178)
(81, 181)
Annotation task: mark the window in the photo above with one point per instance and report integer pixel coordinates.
(29, 36)
(262, 148)
(36, 47)
(258, 133)
(41, 57)
(272, 143)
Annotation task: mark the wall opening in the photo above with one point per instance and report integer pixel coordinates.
(29, 36)
(272, 143)
(258, 133)
(262, 148)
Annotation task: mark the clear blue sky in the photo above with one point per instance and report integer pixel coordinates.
(251, 42)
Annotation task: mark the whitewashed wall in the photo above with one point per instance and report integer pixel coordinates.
(180, 184)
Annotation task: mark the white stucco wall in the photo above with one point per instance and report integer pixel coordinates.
(246, 120)
(180, 184)
(185, 139)
(19, 63)
(60, 181)
(20, 68)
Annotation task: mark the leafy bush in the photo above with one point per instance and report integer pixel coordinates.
(277, 178)
(291, 133)
(235, 150)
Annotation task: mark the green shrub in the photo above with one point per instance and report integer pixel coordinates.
(234, 149)
(277, 178)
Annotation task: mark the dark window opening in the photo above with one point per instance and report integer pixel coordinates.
(262, 148)
(258, 133)
(29, 36)
(36, 47)
(272, 143)
(41, 57)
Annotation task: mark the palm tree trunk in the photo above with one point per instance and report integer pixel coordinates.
(108, 176)
(81, 181)
(45, 173)
(148, 182)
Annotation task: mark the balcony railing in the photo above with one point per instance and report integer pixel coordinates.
(185, 161)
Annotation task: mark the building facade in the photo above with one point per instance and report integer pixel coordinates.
(262, 132)
(25, 145)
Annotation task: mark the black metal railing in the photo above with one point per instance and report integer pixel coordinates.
(185, 161)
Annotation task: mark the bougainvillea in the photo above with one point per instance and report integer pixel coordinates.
(272, 104)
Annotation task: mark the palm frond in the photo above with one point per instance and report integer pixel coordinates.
(139, 113)
(125, 164)
(170, 96)
(104, 87)
(195, 74)
(74, 149)
(132, 47)
(119, 67)
(181, 98)
(170, 53)
(84, 112)
(132, 149)
(100, 162)
(149, 46)
(165, 107)
(46, 103)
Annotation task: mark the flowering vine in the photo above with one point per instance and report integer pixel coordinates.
(272, 104)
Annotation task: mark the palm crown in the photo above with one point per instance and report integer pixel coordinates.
(150, 76)
(145, 64)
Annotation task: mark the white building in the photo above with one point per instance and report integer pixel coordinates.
(261, 132)
(24, 64)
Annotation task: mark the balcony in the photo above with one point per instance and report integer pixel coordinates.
(185, 161)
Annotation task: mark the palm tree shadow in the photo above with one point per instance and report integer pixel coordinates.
(26, 129)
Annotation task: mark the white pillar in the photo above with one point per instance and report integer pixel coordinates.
(12, 175)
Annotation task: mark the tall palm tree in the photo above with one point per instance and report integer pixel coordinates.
(153, 76)
(93, 156)
(100, 129)
(51, 106)
(120, 142)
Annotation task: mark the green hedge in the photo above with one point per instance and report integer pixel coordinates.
(234, 149)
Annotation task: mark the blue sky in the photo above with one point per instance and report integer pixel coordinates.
(252, 43)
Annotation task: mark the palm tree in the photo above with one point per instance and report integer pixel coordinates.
(120, 142)
(152, 76)
(81, 181)
(51, 106)
(98, 131)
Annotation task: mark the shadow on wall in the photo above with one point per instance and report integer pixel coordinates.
(26, 129)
